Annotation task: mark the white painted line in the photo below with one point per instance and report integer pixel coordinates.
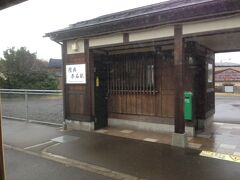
(208, 136)
(126, 131)
(150, 140)
(218, 123)
(102, 131)
(37, 145)
(78, 164)
(226, 127)
(216, 155)
(194, 145)
(227, 146)
(65, 138)
(236, 153)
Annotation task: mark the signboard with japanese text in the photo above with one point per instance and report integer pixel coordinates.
(76, 74)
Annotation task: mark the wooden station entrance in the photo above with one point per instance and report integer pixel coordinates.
(137, 64)
(136, 83)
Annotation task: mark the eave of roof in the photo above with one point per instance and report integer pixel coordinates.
(225, 66)
(220, 71)
(158, 14)
(7, 3)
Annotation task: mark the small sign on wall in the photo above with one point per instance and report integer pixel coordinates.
(76, 74)
(228, 89)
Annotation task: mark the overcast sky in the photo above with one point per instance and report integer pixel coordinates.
(26, 23)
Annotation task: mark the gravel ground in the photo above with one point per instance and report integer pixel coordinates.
(40, 108)
(50, 108)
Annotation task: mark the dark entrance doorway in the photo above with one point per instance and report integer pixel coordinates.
(101, 91)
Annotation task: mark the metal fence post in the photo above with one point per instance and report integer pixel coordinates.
(26, 105)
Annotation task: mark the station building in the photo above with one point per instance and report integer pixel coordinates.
(227, 78)
(132, 68)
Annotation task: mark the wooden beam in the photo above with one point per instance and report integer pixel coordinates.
(8, 3)
(2, 172)
(179, 79)
(125, 38)
(64, 52)
(89, 68)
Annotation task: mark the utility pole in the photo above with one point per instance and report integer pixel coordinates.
(2, 172)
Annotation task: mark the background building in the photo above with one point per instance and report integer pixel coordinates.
(55, 67)
(227, 77)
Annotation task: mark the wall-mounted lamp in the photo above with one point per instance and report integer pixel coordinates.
(75, 46)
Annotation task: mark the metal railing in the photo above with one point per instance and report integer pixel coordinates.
(40, 106)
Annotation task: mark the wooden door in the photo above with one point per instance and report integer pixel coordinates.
(101, 102)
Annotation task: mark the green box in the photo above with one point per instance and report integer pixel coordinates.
(188, 106)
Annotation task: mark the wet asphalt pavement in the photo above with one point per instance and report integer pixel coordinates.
(22, 166)
(227, 109)
(132, 157)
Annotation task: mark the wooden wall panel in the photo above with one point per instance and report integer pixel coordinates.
(145, 105)
(124, 103)
(157, 105)
(113, 104)
(168, 104)
(77, 103)
(118, 104)
(74, 108)
(167, 77)
(151, 105)
(138, 104)
(132, 105)
(75, 59)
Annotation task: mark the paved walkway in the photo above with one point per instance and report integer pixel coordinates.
(115, 157)
(221, 137)
(227, 109)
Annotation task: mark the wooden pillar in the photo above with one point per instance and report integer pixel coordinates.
(179, 79)
(2, 172)
(64, 51)
(89, 77)
(92, 83)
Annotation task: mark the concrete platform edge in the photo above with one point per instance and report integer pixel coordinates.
(179, 140)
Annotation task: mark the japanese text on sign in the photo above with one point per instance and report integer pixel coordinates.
(76, 74)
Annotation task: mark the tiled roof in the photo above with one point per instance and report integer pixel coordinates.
(161, 13)
(227, 75)
(55, 63)
(159, 7)
(7, 3)
(153, 8)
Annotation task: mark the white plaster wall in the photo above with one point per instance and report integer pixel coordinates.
(212, 25)
(106, 40)
(154, 33)
(80, 45)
